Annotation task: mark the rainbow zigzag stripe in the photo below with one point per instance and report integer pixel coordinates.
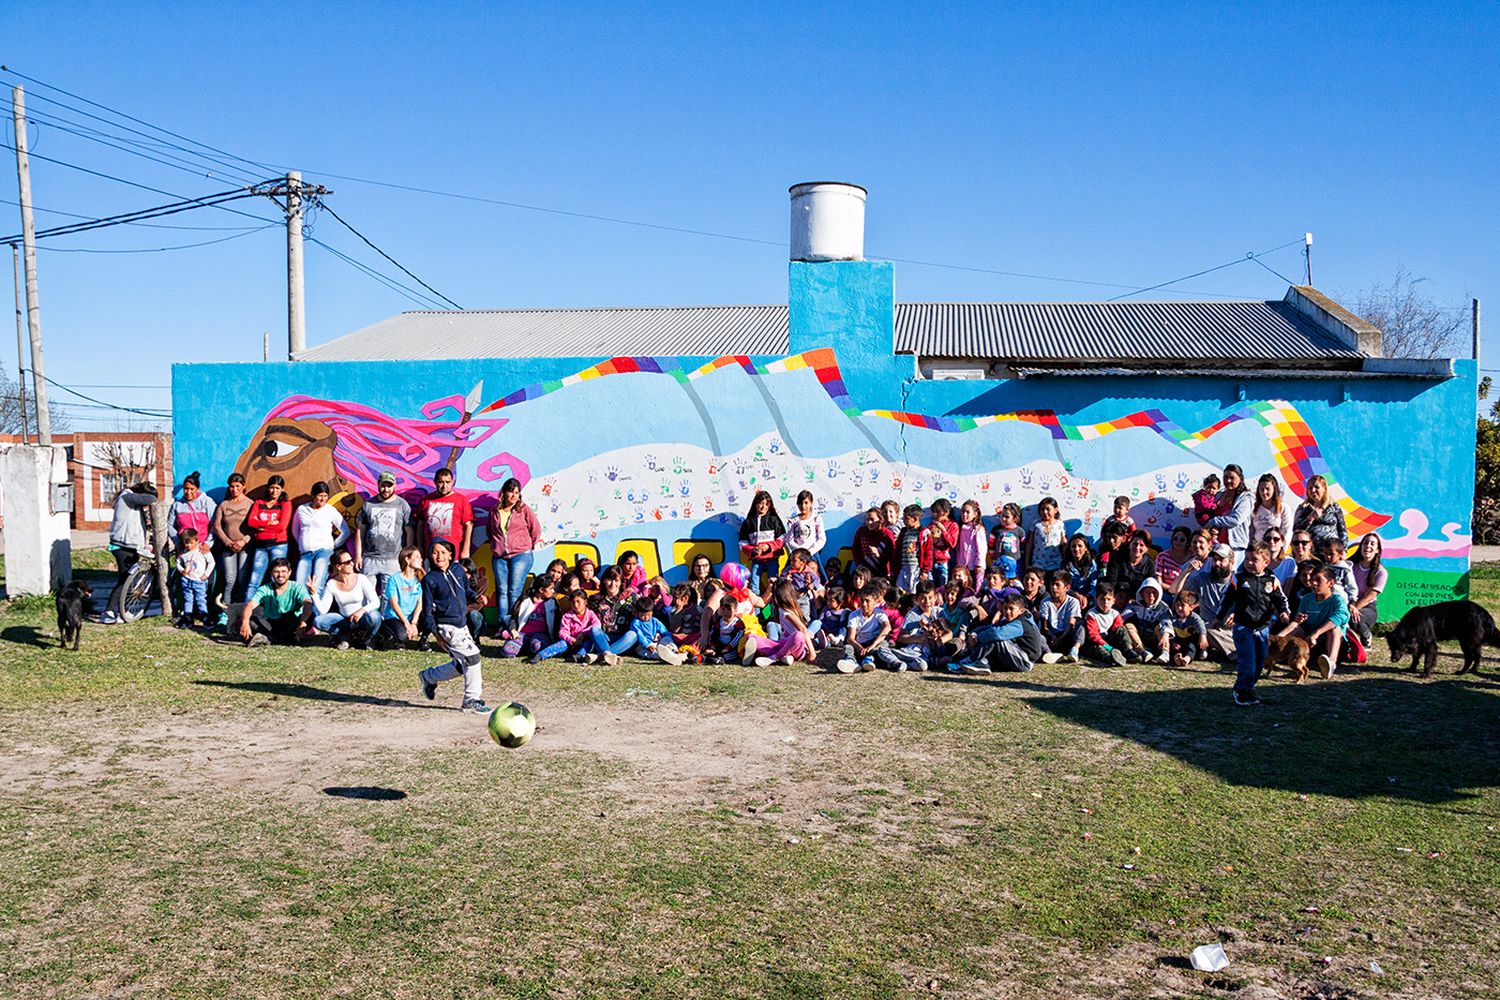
(1297, 454)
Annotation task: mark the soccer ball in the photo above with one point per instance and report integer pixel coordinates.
(735, 575)
(512, 725)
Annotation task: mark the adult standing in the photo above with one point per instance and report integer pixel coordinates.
(318, 528)
(127, 537)
(1270, 513)
(380, 532)
(1319, 516)
(233, 541)
(267, 522)
(446, 516)
(514, 533)
(1237, 503)
(194, 510)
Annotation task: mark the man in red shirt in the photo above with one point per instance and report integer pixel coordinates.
(446, 515)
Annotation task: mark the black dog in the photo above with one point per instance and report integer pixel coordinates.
(1421, 629)
(73, 602)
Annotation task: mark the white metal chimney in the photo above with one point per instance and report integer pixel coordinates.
(828, 221)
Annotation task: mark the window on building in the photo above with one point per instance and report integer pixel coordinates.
(954, 370)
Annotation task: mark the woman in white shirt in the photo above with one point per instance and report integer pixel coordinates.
(1271, 512)
(347, 609)
(318, 529)
(805, 531)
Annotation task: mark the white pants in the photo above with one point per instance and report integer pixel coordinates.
(465, 661)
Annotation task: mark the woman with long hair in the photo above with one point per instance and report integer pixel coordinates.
(1320, 516)
(515, 533)
(1271, 512)
(1235, 503)
(1369, 578)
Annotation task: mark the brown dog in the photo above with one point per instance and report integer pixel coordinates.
(1289, 651)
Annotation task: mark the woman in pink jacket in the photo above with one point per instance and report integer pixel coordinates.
(514, 533)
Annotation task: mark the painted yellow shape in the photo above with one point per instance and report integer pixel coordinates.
(571, 552)
(484, 558)
(685, 550)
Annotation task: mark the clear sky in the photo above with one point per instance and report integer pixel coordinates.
(1097, 143)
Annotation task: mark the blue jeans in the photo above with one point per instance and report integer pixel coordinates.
(510, 581)
(1250, 655)
(337, 626)
(260, 558)
(759, 566)
(594, 642)
(940, 573)
(314, 564)
(194, 597)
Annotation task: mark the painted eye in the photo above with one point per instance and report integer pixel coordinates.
(278, 449)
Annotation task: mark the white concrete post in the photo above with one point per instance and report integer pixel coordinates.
(38, 546)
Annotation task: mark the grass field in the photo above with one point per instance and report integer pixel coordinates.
(167, 829)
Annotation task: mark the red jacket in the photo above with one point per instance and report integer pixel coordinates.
(944, 539)
(523, 532)
(875, 549)
(268, 522)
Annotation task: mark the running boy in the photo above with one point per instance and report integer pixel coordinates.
(446, 596)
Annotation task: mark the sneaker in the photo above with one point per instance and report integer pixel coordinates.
(429, 689)
(1071, 656)
(222, 621)
(611, 660)
(787, 660)
(590, 658)
(1052, 657)
(714, 660)
(108, 618)
(341, 644)
(1325, 666)
(186, 621)
(1164, 657)
(668, 655)
(846, 666)
(1244, 699)
(973, 669)
(867, 664)
(763, 661)
(1117, 658)
(257, 639)
(475, 705)
(920, 666)
(901, 666)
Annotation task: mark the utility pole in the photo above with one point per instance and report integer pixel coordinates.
(28, 235)
(296, 312)
(1307, 252)
(15, 270)
(1476, 332)
(265, 345)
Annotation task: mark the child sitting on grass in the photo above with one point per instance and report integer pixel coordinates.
(923, 631)
(833, 623)
(1057, 620)
(685, 620)
(652, 639)
(726, 634)
(868, 630)
(1105, 638)
(1013, 643)
(540, 622)
(1144, 620)
(579, 635)
(1187, 636)
(795, 642)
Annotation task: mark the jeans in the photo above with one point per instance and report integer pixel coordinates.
(1250, 655)
(510, 581)
(883, 655)
(231, 569)
(594, 641)
(940, 573)
(194, 597)
(759, 566)
(282, 631)
(358, 632)
(260, 558)
(1001, 654)
(314, 565)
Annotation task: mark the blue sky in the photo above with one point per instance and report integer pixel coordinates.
(1116, 145)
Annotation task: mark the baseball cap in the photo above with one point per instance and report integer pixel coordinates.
(386, 477)
(1222, 551)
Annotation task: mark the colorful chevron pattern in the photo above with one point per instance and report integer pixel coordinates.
(1298, 456)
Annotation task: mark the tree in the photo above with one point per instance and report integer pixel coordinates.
(1412, 324)
(10, 409)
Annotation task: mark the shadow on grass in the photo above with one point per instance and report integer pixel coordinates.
(1432, 742)
(368, 793)
(316, 694)
(28, 635)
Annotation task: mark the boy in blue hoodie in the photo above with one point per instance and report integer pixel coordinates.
(446, 596)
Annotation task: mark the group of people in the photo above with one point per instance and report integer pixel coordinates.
(922, 588)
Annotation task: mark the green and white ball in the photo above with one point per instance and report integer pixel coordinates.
(512, 725)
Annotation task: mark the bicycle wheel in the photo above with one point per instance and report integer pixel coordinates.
(134, 596)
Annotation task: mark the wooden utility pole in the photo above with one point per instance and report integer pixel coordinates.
(296, 312)
(159, 513)
(15, 270)
(28, 236)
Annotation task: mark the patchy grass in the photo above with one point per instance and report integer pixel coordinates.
(687, 832)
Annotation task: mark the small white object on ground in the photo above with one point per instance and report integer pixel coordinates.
(1209, 957)
(1375, 968)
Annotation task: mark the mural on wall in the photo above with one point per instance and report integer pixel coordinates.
(639, 479)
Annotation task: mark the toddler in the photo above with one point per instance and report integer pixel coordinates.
(196, 564)
(653, 641)
(1206, 500)
(833, 627)
(1121, 515)
(1187, 636)
(726, 634)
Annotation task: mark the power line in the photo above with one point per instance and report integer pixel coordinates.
(340, 220)
(410, 294)
(1206, 270)
(147, 225)
(127, 409)
(206, 201)
(179, 246)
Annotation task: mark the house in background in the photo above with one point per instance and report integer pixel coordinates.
(104, 462)
(653, 429)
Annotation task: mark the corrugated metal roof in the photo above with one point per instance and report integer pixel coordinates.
(1078, 331)
(563, 333)
(998, 331)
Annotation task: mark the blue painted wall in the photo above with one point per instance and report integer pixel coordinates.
(649, 459)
